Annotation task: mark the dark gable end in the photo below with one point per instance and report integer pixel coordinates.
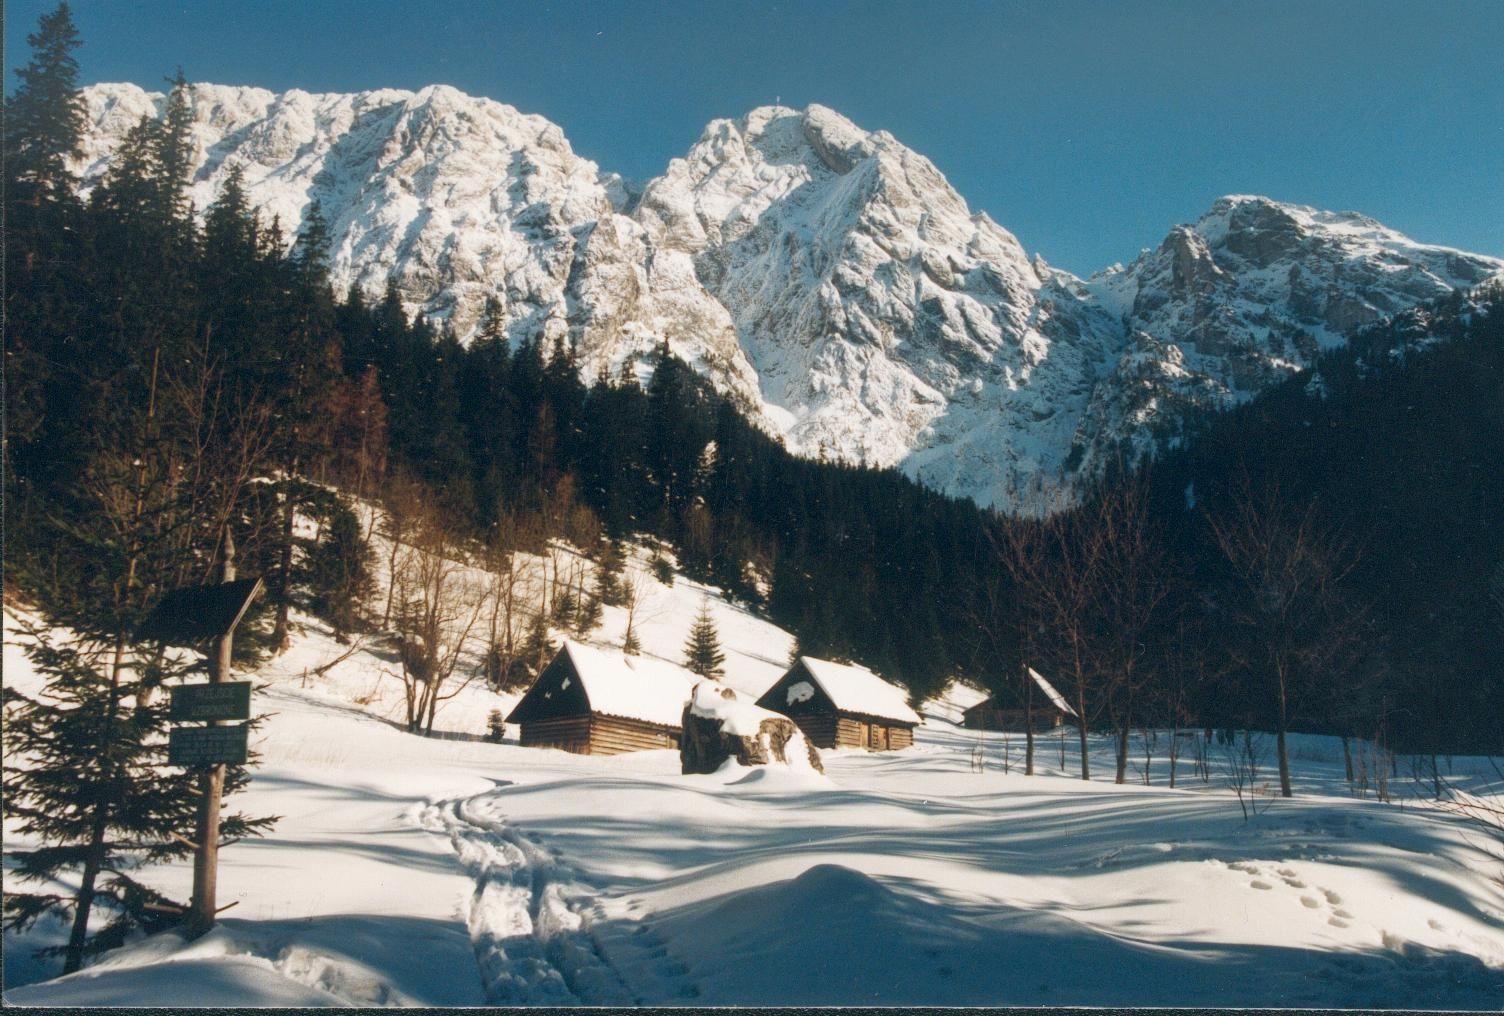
(829, 727)
(776, 698)
(558, 691)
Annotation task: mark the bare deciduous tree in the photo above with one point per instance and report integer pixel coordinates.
(1132, 582)
(1057, 570)
(508, 570)
(438, 607)
(1287, 568)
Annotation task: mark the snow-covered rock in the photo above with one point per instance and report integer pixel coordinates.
(720, 727)
(826, 277)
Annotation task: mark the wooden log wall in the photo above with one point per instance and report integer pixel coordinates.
(570, 733)
(612, 735)
(819, 728)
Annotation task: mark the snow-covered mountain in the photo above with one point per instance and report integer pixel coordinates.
(827, 277)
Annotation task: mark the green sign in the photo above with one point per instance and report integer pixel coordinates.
(228, 700)
(206, 746)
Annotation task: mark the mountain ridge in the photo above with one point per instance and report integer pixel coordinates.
(827, 278)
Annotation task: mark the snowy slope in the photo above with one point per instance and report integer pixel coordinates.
(452, 871)
(827, 277)
(415, 871)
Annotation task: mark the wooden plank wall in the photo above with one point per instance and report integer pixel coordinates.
(1011, 719)
(571, 733)
(874, 735)
(612, 735)
(819, 728)
(827, 730)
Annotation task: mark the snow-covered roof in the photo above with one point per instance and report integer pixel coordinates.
(631, 687)
(1049, 689)
(854, 689)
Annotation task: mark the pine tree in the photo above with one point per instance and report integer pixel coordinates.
(608, 573)
(310, 254)
(175, 149)
(496, 726)
(95, 792)
(44, 118)
(337, 568)
(535, 652)
(587, 617)
(43, 122)
(702, 652)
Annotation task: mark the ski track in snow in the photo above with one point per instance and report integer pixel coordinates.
(532, 938)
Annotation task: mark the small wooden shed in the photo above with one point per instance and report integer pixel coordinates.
(593, 702)
(839, 705)
(1005, 711)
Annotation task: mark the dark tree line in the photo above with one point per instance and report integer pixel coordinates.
(1392, 452)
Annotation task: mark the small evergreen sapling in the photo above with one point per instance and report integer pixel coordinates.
(702, 653)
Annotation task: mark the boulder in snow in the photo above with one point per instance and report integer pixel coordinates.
(720, 726)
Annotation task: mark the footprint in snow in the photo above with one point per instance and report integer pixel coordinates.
(1343, 914)
(1260, 884)
(1309, 902)
(1337, 922)
(1331, 897)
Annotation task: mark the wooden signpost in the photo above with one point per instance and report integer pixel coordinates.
(192, 617)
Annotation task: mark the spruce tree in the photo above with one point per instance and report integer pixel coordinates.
(43, 122)
(631, 645)
(44, 118)
(587, 617)
(94, 791)
(702, 652)
(337, 568)
(610, 563)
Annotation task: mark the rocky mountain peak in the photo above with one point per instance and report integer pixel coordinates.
(826, 277)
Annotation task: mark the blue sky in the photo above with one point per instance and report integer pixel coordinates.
(1087, 128)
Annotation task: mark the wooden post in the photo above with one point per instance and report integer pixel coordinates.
(211, 784)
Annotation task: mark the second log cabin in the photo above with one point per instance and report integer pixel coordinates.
(592, 702)
(839, 705)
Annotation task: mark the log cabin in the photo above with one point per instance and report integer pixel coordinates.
(592, 702)
(839, 705)
(1006, 710)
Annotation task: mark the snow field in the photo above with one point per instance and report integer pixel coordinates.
(451, 871)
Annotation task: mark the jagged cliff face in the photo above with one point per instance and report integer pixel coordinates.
(459, 200)
(887, 322)
(1252, 291)
(828, 278)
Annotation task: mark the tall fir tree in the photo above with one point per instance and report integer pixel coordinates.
(44, 117)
